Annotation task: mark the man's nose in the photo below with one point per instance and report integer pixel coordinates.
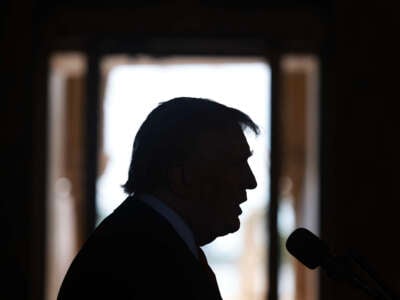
(251, 182)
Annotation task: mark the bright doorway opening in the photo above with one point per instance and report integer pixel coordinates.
(134, 86)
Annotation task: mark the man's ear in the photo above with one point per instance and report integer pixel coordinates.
(179, 179)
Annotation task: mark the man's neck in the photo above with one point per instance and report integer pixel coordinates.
(182, 208)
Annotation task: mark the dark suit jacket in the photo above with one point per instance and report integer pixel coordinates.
(136, 254)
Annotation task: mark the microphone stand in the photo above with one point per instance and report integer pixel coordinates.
(338, 267)
(380, 292)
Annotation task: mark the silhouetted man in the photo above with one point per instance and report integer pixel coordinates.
(187, 177)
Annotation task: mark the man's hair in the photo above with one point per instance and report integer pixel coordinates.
(169, 135)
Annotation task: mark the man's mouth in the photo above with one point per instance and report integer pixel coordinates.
(239, 211)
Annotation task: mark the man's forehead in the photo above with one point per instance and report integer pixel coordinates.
(229, 141)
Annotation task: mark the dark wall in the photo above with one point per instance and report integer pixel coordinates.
(357, 44)
(362, 150)
(17, 60)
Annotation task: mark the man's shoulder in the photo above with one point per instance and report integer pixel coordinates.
(133, 236)
(133, 227)
(133, 218)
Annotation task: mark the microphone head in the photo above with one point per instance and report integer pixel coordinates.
(307, 248)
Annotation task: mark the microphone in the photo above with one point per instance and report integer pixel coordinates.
(307, 248)
(313, 252)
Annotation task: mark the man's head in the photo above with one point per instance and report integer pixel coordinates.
(193, 153)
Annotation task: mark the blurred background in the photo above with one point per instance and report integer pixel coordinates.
(319, 77)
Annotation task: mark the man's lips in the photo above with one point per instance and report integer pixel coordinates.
(242, 199)
(239, 211)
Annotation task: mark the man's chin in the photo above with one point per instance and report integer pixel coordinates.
(226, 229)
(232, 227)
(236, 225)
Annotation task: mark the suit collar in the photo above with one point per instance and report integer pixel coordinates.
(174, 219)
